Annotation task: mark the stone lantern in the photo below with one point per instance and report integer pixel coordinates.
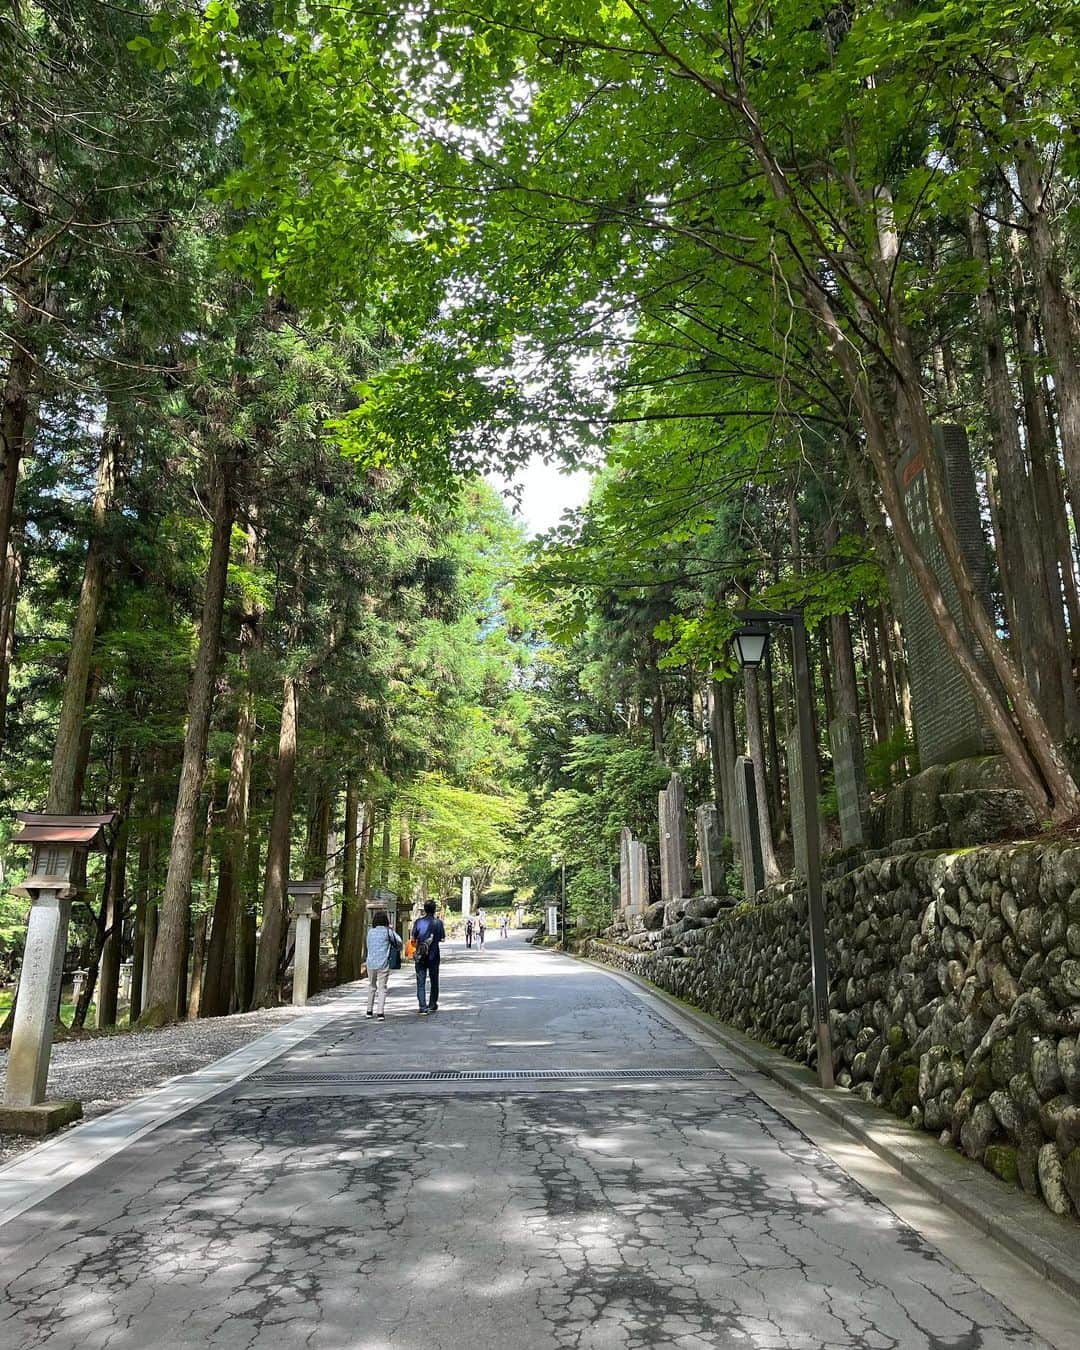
(58, 842)
(304, 894)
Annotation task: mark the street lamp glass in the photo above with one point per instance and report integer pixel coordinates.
(750, 644)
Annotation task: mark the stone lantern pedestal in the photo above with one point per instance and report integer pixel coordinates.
(304, 894)
(56, 841)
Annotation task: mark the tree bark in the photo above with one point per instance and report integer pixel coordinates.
(176, 901)
(1058, 321)
(1036, 762)
(350, 931)
(62, 798)
(198, 943)
(277, 853)
(757, 755)
(1021, 554)
(114, 903)
(220, 973)
(12, 576)
(1045, 475)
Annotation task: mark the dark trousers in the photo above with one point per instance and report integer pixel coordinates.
(426, 970)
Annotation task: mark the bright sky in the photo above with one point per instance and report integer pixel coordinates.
(546, 493)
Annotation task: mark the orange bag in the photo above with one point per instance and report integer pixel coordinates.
(410, 949)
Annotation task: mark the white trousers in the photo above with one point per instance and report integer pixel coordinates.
(377, 982)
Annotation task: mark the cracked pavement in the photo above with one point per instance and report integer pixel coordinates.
(343, 1215)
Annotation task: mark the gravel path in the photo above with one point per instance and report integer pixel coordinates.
(104, 1072)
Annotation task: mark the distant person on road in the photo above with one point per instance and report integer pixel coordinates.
(382, 944)
(427, 933)
(504, 926)
(481, 927)
(468, 932)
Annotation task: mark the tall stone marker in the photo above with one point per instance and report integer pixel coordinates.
(798, 815)
(948, 724)
(674, 863)
(626, 838)
(639, 879)
(849, 772)
(466, 896)
(748, 827)
(708, 839)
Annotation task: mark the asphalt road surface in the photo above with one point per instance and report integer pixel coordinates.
(548, 1163)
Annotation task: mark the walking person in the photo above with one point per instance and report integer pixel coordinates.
(504, 926)
(383, 948)
(427, 933)
(468, 932)
(481, 927)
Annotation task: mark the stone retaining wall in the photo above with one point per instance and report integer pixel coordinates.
(955, 995)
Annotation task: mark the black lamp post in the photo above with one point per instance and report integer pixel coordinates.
(750, 644)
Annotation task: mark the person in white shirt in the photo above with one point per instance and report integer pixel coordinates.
(381, 941)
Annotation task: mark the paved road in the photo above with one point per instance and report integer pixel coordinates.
(664, 1207)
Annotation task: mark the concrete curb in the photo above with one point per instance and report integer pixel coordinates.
(33, 1177)
(1024, 1227)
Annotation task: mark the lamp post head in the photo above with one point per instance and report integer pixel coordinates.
(305, 893)
(750, 645)
(56, 840)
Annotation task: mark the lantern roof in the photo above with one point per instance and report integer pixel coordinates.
(37, 828)
(313, 886)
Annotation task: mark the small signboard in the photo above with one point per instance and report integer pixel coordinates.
(553, 920)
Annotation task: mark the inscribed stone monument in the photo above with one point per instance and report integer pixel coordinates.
(948, 724)
(626, 838)
(798, 815)
(708, 839)
(674, 863)
(849, 773)
(639, 879)
(748, 827)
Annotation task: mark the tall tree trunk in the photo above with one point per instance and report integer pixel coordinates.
(176, 902)
(1045, 475)
(349, 956)
(113, 902)
(1021, 555)
(277, 852)
(219, 978)
(9, 600)
(1058, 321)
(1036, 762)
(757, 755)
(198, 944)
(315, 865)
(148, 826)
(62, 798)
(246, 937)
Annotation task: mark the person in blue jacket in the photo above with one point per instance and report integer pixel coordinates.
(428, 932)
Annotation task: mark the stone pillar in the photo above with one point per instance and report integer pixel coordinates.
(849, 771)
(708, 838)
(748, 827)
(125, 981)
(798, 816)
(674, 863)
(639, 879)
(38, 999)
(302, 951)
(626, 838)
(466, 897)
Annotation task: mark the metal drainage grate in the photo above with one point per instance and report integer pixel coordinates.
(491, 1076)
